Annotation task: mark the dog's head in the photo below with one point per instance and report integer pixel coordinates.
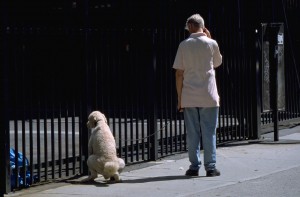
(94, 118)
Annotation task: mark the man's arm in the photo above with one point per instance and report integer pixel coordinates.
(179, 85)
(217, 56)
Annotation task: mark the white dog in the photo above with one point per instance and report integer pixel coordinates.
(102, 150)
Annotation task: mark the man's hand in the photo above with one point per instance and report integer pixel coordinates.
(207, 32)
(180, 109)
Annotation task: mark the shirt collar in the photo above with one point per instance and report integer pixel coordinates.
(194, 35)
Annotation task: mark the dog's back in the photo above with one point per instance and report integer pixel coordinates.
(103, 142)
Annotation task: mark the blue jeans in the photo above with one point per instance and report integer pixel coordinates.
(206, 119)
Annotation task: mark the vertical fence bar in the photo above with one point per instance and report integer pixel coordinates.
(59, 142)
(31, 164)
(131, 105)
(82, 165)
(143, 136)
(46, 141)
(152, 100)
(29, 68)
(86, 100)
(67, 140)
(16, 110)
(73, 139)
(24, 167)
(16, 148)
(38, 141)
(52, 140)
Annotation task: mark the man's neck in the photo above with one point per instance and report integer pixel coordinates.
(200, 30)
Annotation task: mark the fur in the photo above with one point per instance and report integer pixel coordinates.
(102, 158)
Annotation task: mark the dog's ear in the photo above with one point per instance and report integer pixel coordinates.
(95, 120)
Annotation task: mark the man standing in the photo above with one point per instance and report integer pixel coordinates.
(198, 98)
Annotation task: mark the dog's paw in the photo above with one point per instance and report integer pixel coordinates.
(116, 178)
(113, 180)
(106, 177)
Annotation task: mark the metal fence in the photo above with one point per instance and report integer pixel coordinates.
(56, 70)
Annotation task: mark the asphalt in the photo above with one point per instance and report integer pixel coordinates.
(250, 168)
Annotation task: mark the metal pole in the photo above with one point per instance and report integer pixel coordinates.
(152, 125)
(257, 88)
(274, 65)
(275, 105)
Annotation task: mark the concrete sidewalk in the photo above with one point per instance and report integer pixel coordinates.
(263, 168)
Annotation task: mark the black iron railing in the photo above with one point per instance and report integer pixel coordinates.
(62, 61)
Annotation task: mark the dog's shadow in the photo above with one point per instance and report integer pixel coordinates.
(159, 178)
(103, 183)
(97, 183)
(94, 183)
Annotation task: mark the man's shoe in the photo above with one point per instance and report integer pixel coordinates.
(190, 172)
(212, 173)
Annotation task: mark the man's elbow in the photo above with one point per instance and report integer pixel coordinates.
(179, 74)
(218, 62)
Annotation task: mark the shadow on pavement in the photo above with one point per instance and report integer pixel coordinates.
(103, 183)
(281, 141)
(159, 178)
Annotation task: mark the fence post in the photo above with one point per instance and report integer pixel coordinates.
(277, 64)
(5, 186)
(152, 101)
(86, 99)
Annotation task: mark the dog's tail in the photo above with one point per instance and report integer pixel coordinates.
(111, 167)
(121, 165)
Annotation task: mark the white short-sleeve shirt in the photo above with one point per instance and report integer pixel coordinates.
(197, 56)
